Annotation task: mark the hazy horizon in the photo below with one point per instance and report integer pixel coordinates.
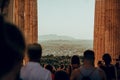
(73, 18)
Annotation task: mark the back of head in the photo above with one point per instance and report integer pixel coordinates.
(75, 59)
(49, 67)
(61, 75)
(99, 62)
(34, 52)
(89, 55)
(62, 66)
(12, 47)
(107, 58)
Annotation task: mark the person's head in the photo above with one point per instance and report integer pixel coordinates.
(61, 75)
(62, 67)
(89, 56)
(49, 67)
(75, 61)
(12, 47)
(107, 58)
(100, 63)
(34, 52)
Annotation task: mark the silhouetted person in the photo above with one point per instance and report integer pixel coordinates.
(87, 70)
(100, 64)
(118, 67)
(118, 63)
(12, 47)
(33, 70)
(109, 69)
(69, 70)
(61, 75)
(75, 62)
(50, 68)
(62, 67)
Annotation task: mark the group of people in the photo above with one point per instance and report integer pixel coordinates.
(13, 46)
(87, 71)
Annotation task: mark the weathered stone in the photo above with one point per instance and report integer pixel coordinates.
(106, 29)
(23, 13)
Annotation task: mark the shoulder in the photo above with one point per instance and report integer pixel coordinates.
(74, 74)
(46, 71)
(46, 74)
(101, 73)
(76, 71)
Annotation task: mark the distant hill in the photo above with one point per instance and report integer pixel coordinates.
(54, 37)
(64, 45)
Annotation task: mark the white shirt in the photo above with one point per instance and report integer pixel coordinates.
(34, 71)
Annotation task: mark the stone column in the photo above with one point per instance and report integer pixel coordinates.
(8, 11)
(99, 26)
(23, 13)
(18, 14)
(106, 29)
(31, 26)
(112, 28)
(25, 17)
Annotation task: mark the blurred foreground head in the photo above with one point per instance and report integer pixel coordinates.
(12, 47)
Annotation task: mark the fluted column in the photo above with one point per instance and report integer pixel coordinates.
(25, 17)
(31, 26)
(112, 28)
(106, 29)
(8, 11)
(18, 14)
(99, 26)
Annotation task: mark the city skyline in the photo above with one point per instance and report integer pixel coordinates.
(74, 18)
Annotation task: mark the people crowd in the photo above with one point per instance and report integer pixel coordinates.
(13, 47)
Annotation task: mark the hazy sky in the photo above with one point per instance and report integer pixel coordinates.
(73, 18)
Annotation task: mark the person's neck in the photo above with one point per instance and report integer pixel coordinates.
(88, 64)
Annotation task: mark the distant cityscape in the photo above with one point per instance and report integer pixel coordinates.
(63, 45)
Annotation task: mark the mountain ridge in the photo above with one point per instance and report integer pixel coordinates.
(56, 37)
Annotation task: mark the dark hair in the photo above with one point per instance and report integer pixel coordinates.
(12, 47)
(107, 58)
(75, 59)
(62, 66)
(61, 75)
(89, 55)
(99, 62)
(34, 51)
(49, 67)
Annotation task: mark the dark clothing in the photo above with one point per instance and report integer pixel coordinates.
(109, 71)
